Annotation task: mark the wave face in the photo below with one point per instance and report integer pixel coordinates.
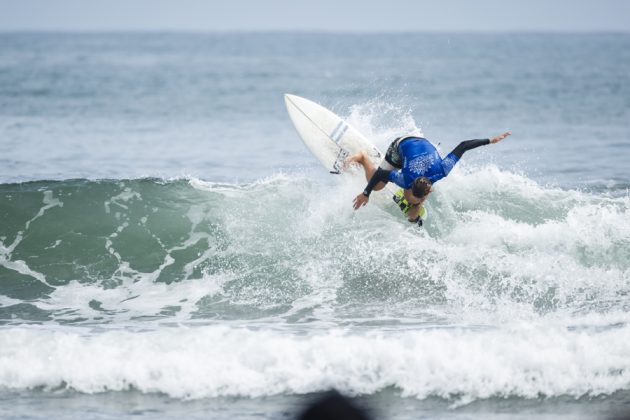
(510, 289)
(206, 250)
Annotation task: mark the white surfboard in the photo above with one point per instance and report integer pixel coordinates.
(327, 136)
(330, 138)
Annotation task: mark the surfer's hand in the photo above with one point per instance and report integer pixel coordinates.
(500, 137)
(360, 201)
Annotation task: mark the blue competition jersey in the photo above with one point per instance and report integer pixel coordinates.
(420, 158)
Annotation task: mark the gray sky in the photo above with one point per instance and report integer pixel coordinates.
(320, 15)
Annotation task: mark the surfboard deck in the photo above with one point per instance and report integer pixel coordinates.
(331, 140)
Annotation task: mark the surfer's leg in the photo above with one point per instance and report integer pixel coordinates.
(391, 161)
(364, 160)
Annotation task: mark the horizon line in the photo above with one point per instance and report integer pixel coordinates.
(317, 31)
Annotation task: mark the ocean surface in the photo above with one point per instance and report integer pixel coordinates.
(170, 249)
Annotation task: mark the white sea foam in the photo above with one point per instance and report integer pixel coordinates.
(49, 202)
(381, 122)
(525, 360)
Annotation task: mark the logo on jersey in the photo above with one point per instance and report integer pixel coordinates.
(421, 164)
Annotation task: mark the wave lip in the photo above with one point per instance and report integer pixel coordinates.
(462, 365)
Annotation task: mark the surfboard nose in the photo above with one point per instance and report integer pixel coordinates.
(291, 101)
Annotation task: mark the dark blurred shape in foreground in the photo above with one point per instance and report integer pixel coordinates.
(333, 406)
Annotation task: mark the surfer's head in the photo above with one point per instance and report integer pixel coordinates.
(421, 187)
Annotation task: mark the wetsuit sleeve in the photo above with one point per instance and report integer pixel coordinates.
(452, 158)
(398, 178)
(468, 145)
(381, 175)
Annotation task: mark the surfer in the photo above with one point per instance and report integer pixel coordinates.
(413, 164)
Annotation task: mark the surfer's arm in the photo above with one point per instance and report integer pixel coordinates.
(500, 137)
(467, 145)
(473, 144)
(453, 157)
(381, 175)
